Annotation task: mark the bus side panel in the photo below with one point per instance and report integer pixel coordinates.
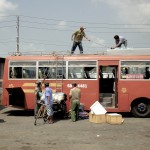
(89, 91)
(29, 101)
(123, 103)
(131, 90)
(5, 99)
(18, 93)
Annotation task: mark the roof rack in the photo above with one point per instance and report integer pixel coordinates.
(53, 53)
(117, 51)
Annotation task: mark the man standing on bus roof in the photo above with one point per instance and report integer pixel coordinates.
(75, 95)
(77, 40)
(119, 40)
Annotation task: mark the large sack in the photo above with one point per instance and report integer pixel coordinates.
(58, 97)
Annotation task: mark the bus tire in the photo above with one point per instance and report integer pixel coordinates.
(141, 109)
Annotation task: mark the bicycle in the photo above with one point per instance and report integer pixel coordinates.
(42, 113)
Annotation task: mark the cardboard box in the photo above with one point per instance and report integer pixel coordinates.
(97, 118)
(114, 118)
(97, 108)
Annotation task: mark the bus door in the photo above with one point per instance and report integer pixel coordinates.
(16, 96)
(108, 84)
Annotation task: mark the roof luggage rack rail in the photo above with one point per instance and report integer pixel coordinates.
(117, 51)
(55, 53)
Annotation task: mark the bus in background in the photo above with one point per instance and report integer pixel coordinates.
(120, 82)
(2, 62)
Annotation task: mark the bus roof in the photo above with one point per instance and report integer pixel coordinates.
(110, 54)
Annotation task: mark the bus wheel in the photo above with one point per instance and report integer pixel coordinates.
(141, 109)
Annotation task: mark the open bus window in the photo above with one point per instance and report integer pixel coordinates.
(90, 73)
(75, 73)
(22, 72)
(51, 72)
(135, 70)
(22, 69)
(44, 72)
(82, 70)
(15, 72)
(29, 72)
(82, 73)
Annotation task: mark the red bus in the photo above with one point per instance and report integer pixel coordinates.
(121, 83)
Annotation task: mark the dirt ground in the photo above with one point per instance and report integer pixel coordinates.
(17, 132)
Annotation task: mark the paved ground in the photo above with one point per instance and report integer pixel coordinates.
(17, 132)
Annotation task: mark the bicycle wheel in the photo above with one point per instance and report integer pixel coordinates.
(39, 115)
(45, 117)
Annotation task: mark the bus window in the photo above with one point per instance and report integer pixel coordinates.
(29, 72)
(22, 72)
(22, 69)
(15, 72)
(90, 72)
(52, 69)
(135, 70)
(51, 72)
(45, 72)
(82, 70)
(75, 73)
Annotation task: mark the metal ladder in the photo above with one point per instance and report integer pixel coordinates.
(59, 72)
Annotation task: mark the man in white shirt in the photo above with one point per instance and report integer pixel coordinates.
(119, 41)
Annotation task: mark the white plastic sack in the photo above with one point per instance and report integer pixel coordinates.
(58, 97)
(43, 96)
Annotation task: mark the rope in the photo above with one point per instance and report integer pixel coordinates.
(101, 44)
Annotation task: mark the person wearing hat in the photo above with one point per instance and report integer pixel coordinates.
(38, 94)
(75, 95)
(77, 40)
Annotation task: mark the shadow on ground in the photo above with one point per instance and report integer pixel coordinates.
(127, 115)
(2, 121)
(2, 107)
(57, 115)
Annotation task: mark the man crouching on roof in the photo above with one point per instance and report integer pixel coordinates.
(119, 40)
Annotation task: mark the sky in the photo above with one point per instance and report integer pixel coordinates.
(47, 25)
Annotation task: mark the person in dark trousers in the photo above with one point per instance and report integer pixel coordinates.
(77, 40)
(119, 40)
(49, 103)
(38, 94)
(75, 95)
